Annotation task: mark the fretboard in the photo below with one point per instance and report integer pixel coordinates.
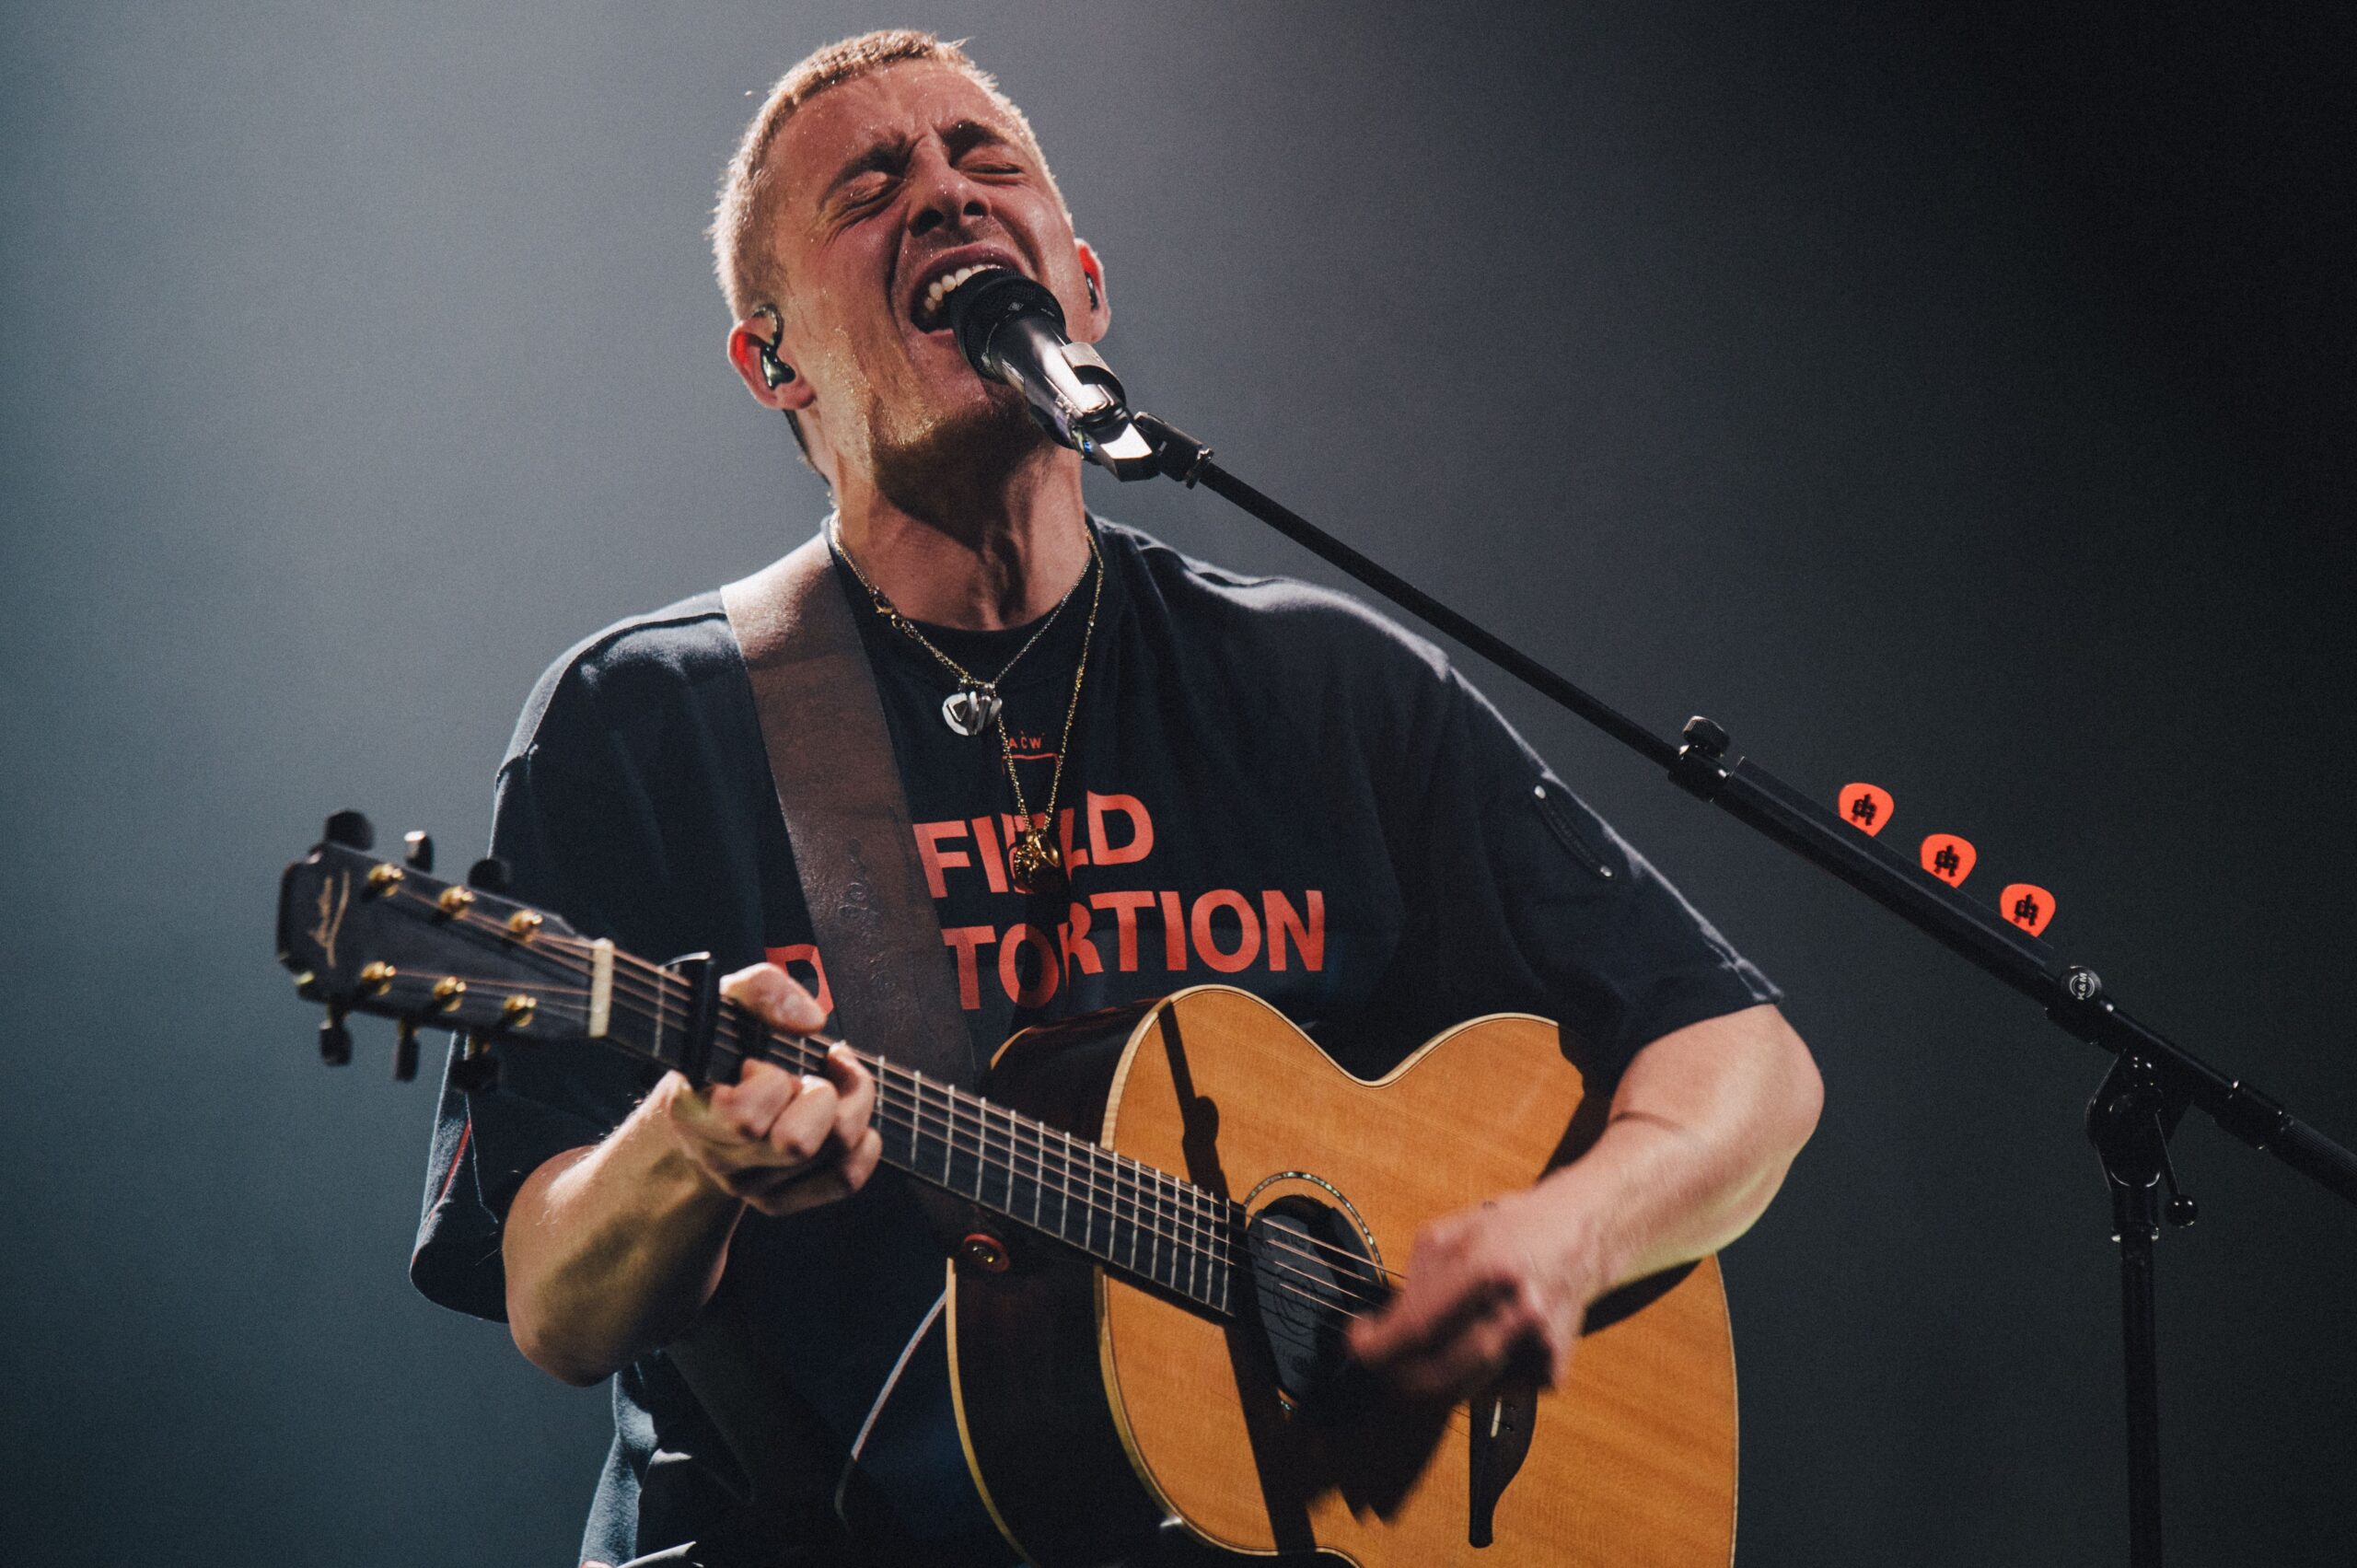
(1133, 1217)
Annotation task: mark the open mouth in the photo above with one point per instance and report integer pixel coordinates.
(929, 308)
(943, 277)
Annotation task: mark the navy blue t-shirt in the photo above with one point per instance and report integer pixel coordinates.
(1269, 787)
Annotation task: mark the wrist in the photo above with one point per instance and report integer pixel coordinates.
(681, 1164)
(1589, 1243)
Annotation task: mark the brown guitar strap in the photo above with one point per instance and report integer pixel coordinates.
(847, 818)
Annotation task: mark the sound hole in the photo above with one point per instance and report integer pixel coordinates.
(1312, 1275)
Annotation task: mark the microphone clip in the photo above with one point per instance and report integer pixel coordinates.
(1012, 330)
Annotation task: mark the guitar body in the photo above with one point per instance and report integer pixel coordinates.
(1191, 1203)
(1109, 1422)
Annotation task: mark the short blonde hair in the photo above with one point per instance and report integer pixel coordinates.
(741, 255)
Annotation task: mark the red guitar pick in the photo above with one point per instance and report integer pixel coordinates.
(1866, 808)
(1949, 858)
(2027, 905)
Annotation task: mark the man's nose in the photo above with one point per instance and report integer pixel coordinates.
(941, 196)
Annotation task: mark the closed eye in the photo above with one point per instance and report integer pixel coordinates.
(865, 191)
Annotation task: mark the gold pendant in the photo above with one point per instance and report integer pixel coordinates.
(1033, 862)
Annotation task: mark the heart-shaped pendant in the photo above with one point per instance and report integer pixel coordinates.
(1033, 865)
(969, 710)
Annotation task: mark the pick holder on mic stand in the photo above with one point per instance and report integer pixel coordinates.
(2142, 1098)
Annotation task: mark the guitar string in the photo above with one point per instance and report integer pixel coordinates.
(1198, 1205)
(1317, 1282)
(1195, 1212)
(1152, 1199)
(1184, 1246)
(960, 1100)
(913, 1117)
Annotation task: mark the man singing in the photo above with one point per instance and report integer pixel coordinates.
(1129, 772)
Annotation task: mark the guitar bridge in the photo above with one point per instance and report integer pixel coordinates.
(1500, 1437)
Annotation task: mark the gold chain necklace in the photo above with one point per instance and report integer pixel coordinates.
(975, 704)
(1033, 861)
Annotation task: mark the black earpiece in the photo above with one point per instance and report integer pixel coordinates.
(774, 371)
(1093, 301)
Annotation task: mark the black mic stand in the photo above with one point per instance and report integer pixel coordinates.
(2142, 1098)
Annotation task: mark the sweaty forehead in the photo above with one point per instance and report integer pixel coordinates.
(896, 105)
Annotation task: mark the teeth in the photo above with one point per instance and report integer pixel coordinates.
(942, 285)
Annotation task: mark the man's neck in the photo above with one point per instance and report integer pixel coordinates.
(1005, 559)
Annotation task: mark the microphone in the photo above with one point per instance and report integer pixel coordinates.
(1012, 330)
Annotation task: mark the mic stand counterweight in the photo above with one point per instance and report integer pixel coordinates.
(2150, 1083)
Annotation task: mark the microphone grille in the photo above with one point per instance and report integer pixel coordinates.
(978, 308)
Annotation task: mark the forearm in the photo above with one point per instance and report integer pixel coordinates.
(1702, 1128)
(610, 1251)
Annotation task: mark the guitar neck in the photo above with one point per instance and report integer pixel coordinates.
(1144, 1222)
(371, 936)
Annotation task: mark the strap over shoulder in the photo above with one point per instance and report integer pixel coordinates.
(847, 816)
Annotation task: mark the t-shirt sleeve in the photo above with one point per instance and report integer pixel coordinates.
(1542, 907)
(561, 812)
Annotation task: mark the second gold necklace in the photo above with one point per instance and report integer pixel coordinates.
(1033, 862)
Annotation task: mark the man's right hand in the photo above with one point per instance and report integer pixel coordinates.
(780, 1141)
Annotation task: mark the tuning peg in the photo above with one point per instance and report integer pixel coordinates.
(351, 829)
(335, 1040)
(418, 849)
(488, 875)
(405, 1050)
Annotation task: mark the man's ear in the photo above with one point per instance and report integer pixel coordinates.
(1100, 303)
(746, 341)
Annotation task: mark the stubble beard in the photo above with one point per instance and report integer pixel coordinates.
(946, 466)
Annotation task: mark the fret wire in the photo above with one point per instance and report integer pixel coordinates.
(954, 1109)
(1153, 1248)
(1105, 1182)
(951, 1130)
(662, 1001)
(1180, 1196)
(961, 1107)
(1015, 1171)
(1185, 1204)
(967, 1104)
(1095, 1203)
(1196, 1208)
(1199, 1288)
(1039, 1184)
(1097, 1163)
(1007, 1201)
(1070, 1167)
(1154, 1208)
(1114, 1161)
(982, 1170)
(1146, 1207)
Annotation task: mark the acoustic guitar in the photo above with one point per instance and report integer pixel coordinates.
(1179, 1206)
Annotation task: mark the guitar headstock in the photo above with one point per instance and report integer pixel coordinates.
(368, 934)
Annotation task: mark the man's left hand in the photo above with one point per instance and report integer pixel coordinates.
(1499, 1289)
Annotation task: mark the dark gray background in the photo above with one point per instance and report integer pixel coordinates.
(1961, 405)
